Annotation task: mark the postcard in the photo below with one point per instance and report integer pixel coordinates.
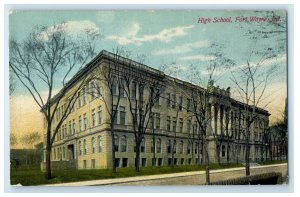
(148, 97)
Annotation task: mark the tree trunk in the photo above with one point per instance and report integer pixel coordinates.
(247, 159)
(154, 149)
(113, 156)
(48, 163)
(207, 167)
(48, 153)
(137, 158)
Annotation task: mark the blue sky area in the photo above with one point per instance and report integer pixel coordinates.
(168, 36)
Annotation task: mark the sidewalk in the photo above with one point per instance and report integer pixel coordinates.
(182, 178)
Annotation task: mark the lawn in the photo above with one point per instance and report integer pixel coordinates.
(33, 176)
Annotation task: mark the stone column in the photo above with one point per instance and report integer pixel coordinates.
(212, 117)
(229, 122)
(224, 120)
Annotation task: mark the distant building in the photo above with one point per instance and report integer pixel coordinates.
(83, 141)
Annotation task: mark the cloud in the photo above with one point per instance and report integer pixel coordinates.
(199, 57)
(165, 35)
(183, 48)
(72, 28)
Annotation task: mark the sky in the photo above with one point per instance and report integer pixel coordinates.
(164, 37)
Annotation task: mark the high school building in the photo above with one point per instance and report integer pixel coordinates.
(84, 139)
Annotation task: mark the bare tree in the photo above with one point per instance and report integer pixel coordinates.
(142, 91)
(44, 61)
(110, 75)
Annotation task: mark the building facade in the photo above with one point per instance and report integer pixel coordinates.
(84, 139)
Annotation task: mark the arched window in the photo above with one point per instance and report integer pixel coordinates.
(85, 147)
(223, 151)
(158, 145)
(143, 145)
(123, 143)
(116, 138)
(169, 146)
(181, 147)
(93, 145)
(100, 140)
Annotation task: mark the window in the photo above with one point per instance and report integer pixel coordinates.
(175, 161)
(223, 151)
(80, 123)
(152, 120)
(93, 118)
(84, 95)
(93, 144)
(181, 125)
(85, 151)
(85, 122)
(74, 127)
(79, 99)
(84, 164)
(143, 145)
(181, 147)
(169, 146)
(182, 161)
(174, 124)
(141, 92)
(80, 147)
(115, 113)
(121, 88)
(158, 145)
(169, 100)
(188, 105)
(100, 141)
(157, 120)
(124, 162)
(174, 101)
(123, 144)
(160, 162)
(189, 126)
(70, 127)
(94, 88)
(99, 115)
(144, 161)
(93, 162)
(196, 148)
(188, 148)
(180, 103)
(133, 90)
(116, 143)
(169, 161)
(174, 147)
(114, 85)
(168, 123)
(157, 102)
(122, 116)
